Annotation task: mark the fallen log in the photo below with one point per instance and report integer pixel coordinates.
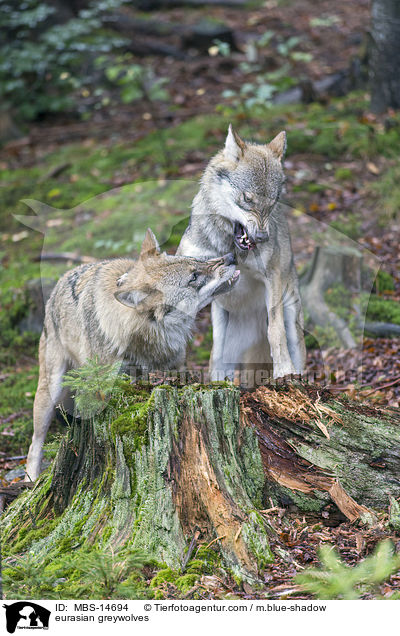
(382, 329)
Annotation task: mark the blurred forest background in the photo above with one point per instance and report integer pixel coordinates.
(109, 112)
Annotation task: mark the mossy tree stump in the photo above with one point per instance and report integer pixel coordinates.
(197, 465)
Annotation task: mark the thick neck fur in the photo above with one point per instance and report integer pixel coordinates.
(135, 333)
(155, 344)
(207, 217)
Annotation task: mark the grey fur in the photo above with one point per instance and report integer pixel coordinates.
(143, 311)
(261, 318)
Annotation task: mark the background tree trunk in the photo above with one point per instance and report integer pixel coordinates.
(180, 466)
(385, 55)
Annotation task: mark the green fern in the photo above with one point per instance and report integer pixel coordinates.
(92, 385)
(24, 577)
(335, 580)
(105, 574)
(94, 574)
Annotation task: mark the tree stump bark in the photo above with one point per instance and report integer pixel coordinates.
(329, 266)
(199, 464)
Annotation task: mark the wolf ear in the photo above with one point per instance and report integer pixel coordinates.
(234, 146)
(150, 246)
(131, 298)
(278, 145)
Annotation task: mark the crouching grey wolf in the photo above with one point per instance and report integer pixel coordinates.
(237, 209)
(143, 311)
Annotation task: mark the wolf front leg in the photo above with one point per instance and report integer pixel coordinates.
(277, 338)
(48, 394)
(218, 369)
(294, 326)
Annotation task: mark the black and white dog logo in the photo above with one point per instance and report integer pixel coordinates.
(26, 615)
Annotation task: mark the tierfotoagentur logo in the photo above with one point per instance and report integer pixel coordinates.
(26, 615)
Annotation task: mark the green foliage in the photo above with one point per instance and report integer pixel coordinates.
(386, 190)
(17, 390)
(343, 174)
(383, 283)
(98, 574)
(105, 574)
(323, 338)
(348, 224)
(259, 94)
(394, 514)
(265, 38)
(381, 309)
(324, 21)
(14, 309)
(166, 575)
(41, 61)
(185, 582)
(133, 80)
(335, 580)
(92, 385)
(25, 576)
(313, 187)
(224, 48)
(339, 299)
(134, 420)
(206, 561)
(285, 47)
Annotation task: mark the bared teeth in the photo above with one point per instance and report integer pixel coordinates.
(245, 241)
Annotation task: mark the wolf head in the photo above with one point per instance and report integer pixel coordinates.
(165, 287)
(245, 181)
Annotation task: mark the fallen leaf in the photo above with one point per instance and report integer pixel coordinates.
(373, 168)
(20, 236)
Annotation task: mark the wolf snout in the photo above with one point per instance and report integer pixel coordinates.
(261, 236)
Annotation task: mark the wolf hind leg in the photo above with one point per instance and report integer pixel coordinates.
(48, 395)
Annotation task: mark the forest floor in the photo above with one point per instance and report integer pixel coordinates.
(103, 180)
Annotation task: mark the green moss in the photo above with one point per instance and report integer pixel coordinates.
(381, 309)
(339, 299)
(386, 192)
(133, 421)
(383, 282)
(394, 514)
(164, 576)
(27, 537)
(315, 187)
(343, 174)
(209, 558)
(323, 337)
(349, 224)
(195, 567)
(185, 582)
(255, 535)
(311, 341)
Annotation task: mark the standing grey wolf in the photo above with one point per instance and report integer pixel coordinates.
(237, 209)
(120, 309)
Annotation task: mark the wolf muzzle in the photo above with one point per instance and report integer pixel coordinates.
(245, 239)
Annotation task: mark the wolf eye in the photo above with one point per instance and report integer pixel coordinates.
(248, 197)
(194, 277)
